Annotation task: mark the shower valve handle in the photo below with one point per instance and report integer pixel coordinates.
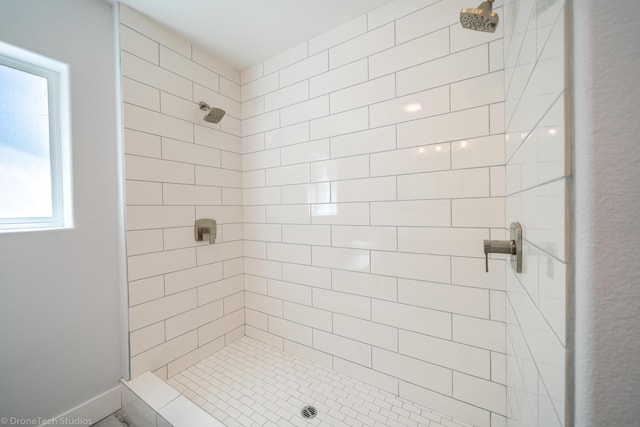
(511, 247)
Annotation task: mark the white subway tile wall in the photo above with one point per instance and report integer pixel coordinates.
(186, 298)
(536, 195)
(373, 169)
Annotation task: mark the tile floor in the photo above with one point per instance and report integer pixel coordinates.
(249, 383)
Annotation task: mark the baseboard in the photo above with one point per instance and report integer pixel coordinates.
(93, 410)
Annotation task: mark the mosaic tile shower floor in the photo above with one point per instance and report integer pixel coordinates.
(249, 383)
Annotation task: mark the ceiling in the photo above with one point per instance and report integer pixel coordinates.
(242, 33)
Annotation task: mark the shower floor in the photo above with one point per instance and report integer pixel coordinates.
(249, 383)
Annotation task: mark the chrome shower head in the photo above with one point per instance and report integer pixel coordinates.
(214, 114)
(481, 19)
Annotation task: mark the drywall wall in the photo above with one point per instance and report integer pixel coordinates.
(59, 307)
(606, 101)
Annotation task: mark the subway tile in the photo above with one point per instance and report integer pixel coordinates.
(346, 259)
(368, 141)
(254, 214)
(256, 319)
(435, 213)
(229, 104)
(446, 127)
(462, 38)
(141, 144)
(289, 292)
(231, 161)
(265, 337)
(219, 252)
(406, 368)
(345, 348)
(191, 358)
(425, 21)
(252, 107)
(263, 303)
(409, 160)
(363, 237)
(482, 333)
(140, 119)
(446, 70)
(339, 302)
(228, 74)
(287, 135)
(498, 368)
(410, 53)
(450, 354)
(498, 306)
(338, 169)
(307, 353)
(483, 212)
(410, 107)
(262, 123)
(259, 87)
(340, 213)
(478, 152)
(296, 254)
(373, 333)
(140, 94)
(341, 123)
(288, 214)
(442, 241)
(216, 139)
(145, 72)
(286, 96)
(361, 46)
(445, 185)
(307, 275)
(262, 196)
(362, 190)
(479, 392)
(148, 217)
(193, 319)
(154, 311)
(190, 153)
(176, 194)
(455, 299)
(403, 316)
(252, 73)
(219, 327)
(147, 265)
(482, 90)
(220, 289)
(367, 93)
(339, 78)
(255, 178)
(232, 196)
(143, 193)
(193, 277)
(233, 267)
(366, 375)
(148, 169)
(444, 404)
(164, 353)
(471, 272)
(307, 234)
(368, 285)
(144, 290)
(306, 152)
(305, 111)
(154, 30)
(496, 117)
(222, 214)
(412, 266)
(290, 330)
(139, 45)
(260, 267)
(263, 232)
(286, 58)
(145, 338)
(304, 69)
(260, 160)
(306, 193)
(316, 318)
(174, 106)
(288, 175)
(218, 177)
(338, 35)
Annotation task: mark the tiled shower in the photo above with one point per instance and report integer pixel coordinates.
(353, 180)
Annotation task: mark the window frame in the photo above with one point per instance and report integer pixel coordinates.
(57, 75)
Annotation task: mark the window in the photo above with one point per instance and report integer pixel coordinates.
(35, 178)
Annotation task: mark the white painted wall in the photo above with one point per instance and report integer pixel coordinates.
(606, 65)
(59, 309)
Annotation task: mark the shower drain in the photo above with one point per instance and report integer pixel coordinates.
(309, 412)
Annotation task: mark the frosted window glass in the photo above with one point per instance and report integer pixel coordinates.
(25, 158)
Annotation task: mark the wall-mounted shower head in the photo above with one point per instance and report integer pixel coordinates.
(214, 114)
(481, 19)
